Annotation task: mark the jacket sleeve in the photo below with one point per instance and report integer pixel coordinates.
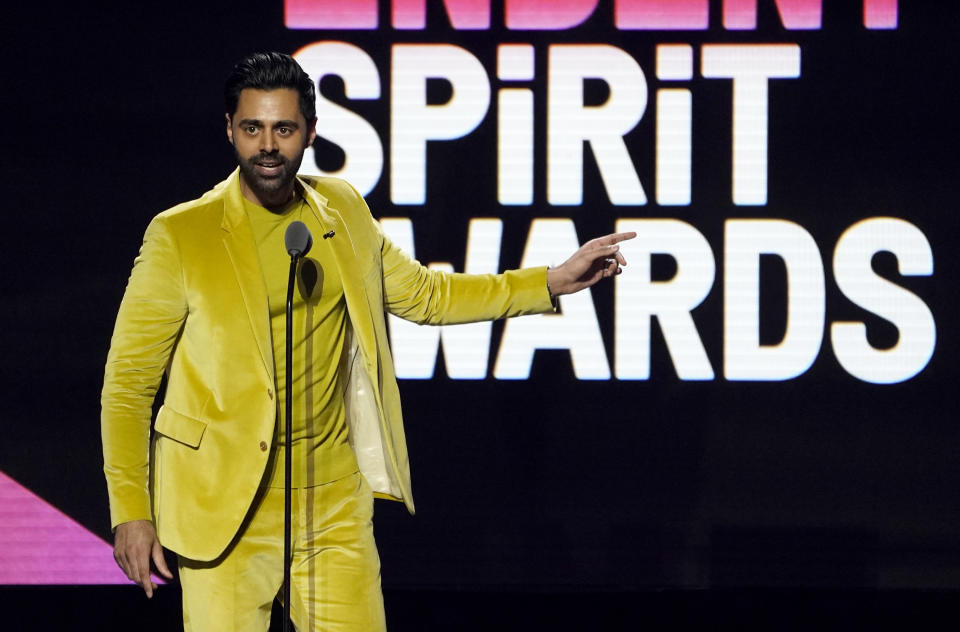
(414, 292)
(150, 318)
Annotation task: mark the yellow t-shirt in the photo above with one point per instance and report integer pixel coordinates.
(321, 450)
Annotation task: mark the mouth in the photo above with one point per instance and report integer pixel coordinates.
(268, 168)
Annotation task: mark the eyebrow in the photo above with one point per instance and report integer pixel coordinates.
(259, 123)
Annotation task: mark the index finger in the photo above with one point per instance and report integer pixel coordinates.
(615, 238)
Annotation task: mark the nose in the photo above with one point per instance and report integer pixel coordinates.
(268, 143)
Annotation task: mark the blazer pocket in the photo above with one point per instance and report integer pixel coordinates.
(179, 427)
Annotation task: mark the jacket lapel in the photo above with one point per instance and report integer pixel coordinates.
(239, 243)
(343, 247)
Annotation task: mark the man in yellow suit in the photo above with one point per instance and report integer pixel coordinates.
(205, 303)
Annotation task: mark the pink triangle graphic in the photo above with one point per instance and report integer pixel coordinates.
(39, 544)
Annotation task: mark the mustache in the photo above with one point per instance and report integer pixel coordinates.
(272, 160)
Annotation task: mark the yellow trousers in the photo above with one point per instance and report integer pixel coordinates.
(334, 577)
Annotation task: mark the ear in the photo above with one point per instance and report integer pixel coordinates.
(311, 131)
(229, 128)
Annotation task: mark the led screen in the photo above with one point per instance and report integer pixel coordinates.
(764, 396)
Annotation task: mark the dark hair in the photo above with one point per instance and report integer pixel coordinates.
(269, 71)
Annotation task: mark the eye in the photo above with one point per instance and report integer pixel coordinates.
(284, 131)
(250, 129)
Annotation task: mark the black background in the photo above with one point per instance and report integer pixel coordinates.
(113, 114)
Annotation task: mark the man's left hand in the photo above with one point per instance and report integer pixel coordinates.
(595, 260)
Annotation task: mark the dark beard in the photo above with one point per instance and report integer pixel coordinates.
(264, 187)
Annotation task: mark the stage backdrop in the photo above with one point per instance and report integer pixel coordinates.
(766, 396)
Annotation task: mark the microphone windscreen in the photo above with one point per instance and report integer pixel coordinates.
(298, 239)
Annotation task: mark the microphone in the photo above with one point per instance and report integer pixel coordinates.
(328, 235)
(298, 239)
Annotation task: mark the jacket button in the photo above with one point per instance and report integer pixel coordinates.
(270, 393)
(263, 446)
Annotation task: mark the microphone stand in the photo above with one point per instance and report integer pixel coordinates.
(288, 441)
(298, 241)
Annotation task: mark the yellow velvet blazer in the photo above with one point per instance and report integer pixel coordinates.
(196, 307)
